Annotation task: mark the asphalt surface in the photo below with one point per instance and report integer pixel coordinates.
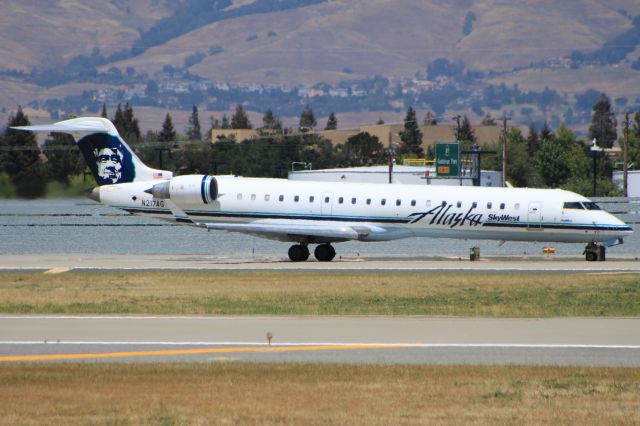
(387, 340)
(196, 262)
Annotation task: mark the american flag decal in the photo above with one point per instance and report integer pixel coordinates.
(157, 175)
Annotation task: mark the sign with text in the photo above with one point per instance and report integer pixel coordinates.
(448, 159)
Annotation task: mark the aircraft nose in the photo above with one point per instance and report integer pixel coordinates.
(93, 194)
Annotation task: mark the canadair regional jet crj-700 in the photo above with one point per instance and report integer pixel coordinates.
(323, 213)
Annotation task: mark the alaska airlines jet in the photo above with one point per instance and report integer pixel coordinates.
(323, 213)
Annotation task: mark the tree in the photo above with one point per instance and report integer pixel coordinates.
(127, 125)
(225, 122)
(240, 120)
(168, 132)
(307, 119)
(411, 136)
(550, 164)
(603, 123)
(193, 127)
(103, 114)
(271, 122)
(464, 132)
(430, 119)
(546, 134)
(23, 166)
(533, 140)
(332, 122)
(636, 125)
(63, 158)
(362, 149)
(488, 120)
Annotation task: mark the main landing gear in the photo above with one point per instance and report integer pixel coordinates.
(323, 253)
(595, 252)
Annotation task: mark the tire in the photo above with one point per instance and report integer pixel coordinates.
(298, 253)
(324, 253)
(591, 256)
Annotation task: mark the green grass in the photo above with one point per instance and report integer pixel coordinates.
(321, 293)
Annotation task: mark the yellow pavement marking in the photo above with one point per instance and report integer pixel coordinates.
(63, 357)
(59, 270)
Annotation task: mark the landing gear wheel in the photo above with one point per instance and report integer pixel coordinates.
(325, 253)
(595, 252)
(298, 253)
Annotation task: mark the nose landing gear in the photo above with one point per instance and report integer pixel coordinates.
(595, 252)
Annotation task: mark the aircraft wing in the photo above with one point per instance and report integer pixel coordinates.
(285, 230)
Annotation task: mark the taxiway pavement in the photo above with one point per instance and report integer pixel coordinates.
(204, 262)
(388, 340)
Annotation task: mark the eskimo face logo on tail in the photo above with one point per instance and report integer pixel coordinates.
(109, 164)
(109, 160)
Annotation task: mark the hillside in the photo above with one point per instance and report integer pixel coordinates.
(69, 56)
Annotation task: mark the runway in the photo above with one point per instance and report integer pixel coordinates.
(385, 340)
(64, 262)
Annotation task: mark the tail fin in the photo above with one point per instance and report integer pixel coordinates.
(110, 159)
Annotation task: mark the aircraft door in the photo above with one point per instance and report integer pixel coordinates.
(534, 217)
(326, 206)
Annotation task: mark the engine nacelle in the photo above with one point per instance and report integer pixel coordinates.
(187, 190)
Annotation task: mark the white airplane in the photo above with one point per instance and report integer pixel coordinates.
(322, 213)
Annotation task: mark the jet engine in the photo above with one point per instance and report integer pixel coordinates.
(187, 190)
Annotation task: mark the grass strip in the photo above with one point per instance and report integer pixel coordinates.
(247, 393)
(321, 293)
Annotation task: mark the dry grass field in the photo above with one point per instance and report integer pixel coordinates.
(321, 293)
(229, 393)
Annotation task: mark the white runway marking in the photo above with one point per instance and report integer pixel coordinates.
(364, 345)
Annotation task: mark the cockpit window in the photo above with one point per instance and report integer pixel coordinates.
(590, 205)
(575, 205)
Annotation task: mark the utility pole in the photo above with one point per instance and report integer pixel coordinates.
(504, 149)
(625, 154)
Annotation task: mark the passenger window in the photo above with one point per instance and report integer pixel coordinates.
(501, 206)
(368, 201)
(489, 205)
(340, 200)
(253, 197)
(516, 206)
(239, 197)
(311, 198)
(398, 202)
(296, 198)
(281, 198)
(266, 197)
(459, 204)
(474, 204)
(353, 201)
(326, 199)
(413, 202)
(383, 202)
(428, 203)
(444, 203)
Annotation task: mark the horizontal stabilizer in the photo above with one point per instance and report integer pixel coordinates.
(74, 125)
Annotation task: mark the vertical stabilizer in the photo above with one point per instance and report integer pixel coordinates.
(109, 157)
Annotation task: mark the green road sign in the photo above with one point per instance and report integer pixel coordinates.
(447, 159)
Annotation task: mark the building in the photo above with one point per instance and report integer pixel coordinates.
(407, 175)
(633, 182)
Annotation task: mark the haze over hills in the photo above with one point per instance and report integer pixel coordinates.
(70, 56)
